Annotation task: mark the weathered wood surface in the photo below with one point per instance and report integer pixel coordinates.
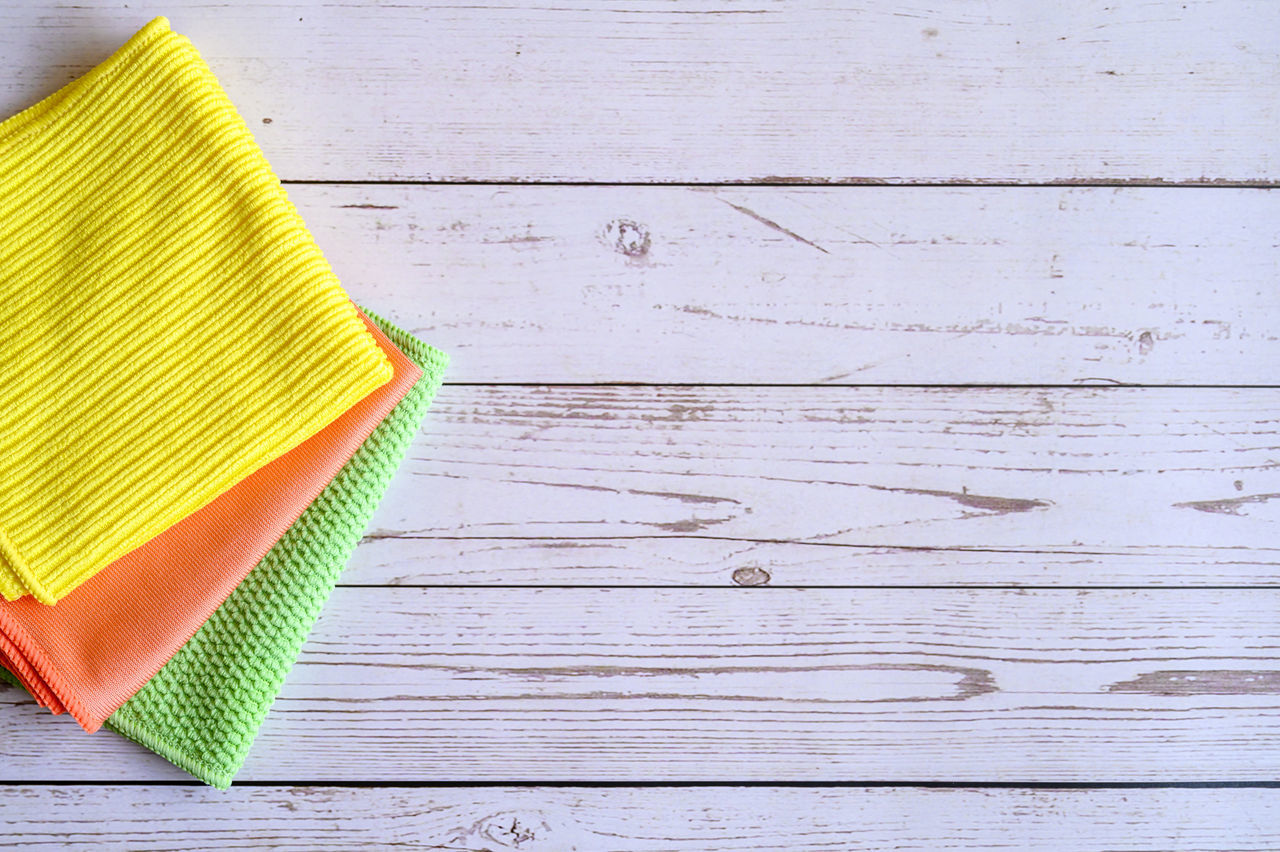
(835, 486)
(867, 500)
(819, 285)
(697, 819)
(716, 91)
(819, 685)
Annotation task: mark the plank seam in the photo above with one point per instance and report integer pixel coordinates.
(1071, 183)
(455, 784)
(1108, 384)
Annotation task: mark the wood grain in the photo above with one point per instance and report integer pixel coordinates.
(824, 685)
(687, 819)
(643, 91)
(847, 285)
(779, 531)
(834, 486)
(397, 559)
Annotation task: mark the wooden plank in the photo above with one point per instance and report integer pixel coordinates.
(834, 486)
(688, 819)
(398, 559)
(901, 685)
(846, 285)
(713, 91)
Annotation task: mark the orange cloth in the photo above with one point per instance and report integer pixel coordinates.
(97, 647)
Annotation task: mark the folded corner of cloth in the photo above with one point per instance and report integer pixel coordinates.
(94, 650)
(204, 707)
(169, 325)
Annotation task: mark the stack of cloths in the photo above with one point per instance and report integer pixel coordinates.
(196, 423)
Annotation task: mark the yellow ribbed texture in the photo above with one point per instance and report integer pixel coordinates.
(167, 324)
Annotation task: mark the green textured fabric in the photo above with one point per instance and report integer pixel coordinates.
(203, 709)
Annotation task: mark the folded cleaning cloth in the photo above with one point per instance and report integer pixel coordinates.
(203, 709)
(92, 651)
(167, 323)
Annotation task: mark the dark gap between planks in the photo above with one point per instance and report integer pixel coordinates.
(1155, 183)
(925, 785)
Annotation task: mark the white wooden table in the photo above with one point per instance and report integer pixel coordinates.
(862, 429)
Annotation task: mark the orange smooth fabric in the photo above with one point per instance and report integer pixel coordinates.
(101, 644)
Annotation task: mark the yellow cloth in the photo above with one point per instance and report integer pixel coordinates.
(167, 324)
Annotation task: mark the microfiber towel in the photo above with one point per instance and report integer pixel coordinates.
(167, 324)
(203, 709)
(96, 648)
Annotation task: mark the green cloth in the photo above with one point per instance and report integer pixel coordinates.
(203, 709)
